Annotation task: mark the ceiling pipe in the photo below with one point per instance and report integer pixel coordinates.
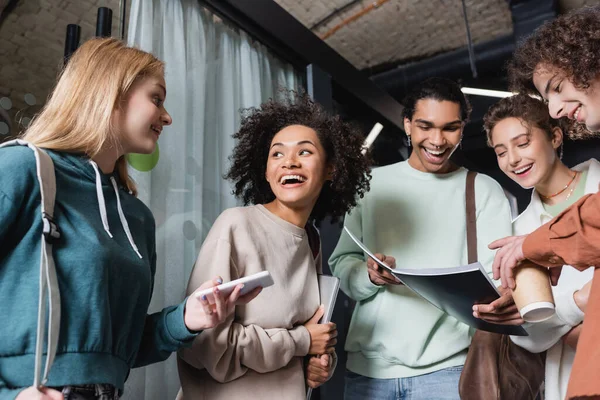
(71, 41)
(353, 18)
(104, 22)
(332, 14)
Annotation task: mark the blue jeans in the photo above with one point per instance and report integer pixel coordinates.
(439, 385)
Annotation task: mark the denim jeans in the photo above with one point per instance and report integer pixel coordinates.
(439, 385)
(90, 392)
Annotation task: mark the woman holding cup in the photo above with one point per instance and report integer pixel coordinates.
(527, 143)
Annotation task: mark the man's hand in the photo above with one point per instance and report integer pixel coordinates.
(501, 311)
(379, 275)
(318, 370)
(508, 257)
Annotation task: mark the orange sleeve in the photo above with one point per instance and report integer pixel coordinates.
(584, 382)
(572, 238)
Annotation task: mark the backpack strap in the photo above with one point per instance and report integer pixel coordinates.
(48, 290)
(471, 217)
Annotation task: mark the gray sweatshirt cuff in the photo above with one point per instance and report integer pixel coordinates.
(301, 338)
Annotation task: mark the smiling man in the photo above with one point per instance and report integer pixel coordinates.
(399, 345)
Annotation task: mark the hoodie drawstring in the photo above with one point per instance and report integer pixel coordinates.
(123, 219)
(101, 202)
(102, 208)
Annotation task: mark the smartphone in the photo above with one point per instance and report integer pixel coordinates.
(262, 279)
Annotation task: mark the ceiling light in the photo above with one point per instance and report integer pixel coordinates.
(486, 92)
(371, 137)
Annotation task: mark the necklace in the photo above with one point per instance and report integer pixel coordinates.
(561, 190)
(570, 193)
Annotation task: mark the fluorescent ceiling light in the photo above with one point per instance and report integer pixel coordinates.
(486, 92)
(371, 137)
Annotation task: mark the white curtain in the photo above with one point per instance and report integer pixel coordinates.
(212, 71)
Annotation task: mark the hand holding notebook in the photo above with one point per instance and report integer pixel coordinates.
(452, 290)
(328, 291)
(381, 276)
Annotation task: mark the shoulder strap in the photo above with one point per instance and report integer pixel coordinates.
(48, 280)
(471, 218)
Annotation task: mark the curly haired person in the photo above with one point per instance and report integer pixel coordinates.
(561, 63)
(527, 143)
(294, 164)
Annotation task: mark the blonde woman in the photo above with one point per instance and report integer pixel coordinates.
(109, 101)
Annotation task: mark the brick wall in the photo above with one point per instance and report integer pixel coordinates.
(402, 29)
(32, 46)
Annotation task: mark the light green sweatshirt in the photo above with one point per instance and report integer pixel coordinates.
(418, 218)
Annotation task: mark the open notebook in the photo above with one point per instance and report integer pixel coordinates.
(452, 290)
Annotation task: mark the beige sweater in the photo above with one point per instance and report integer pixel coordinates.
(258, 352)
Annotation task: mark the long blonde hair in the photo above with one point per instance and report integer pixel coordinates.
(77, 116)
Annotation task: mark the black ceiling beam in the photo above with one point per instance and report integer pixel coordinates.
(527, 15)
(274, 26)
(7, 9)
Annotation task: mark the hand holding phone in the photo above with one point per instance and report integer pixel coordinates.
(208, 307)
(262, 279)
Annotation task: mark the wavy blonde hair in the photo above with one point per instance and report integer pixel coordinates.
(77, 116)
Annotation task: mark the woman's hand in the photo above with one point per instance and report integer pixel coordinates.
(33, 393)
(379, 275)
(204, 313)
(572, 337)
(322, 336)
(501, 311)
(318, 370)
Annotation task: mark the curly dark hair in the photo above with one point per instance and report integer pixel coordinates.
(531, 111)
(341, 141)
(437, 89)
(570, 44)
(576, 130)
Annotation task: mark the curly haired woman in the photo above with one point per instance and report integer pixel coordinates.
(295, 164)
(561, 63)
(526, 142)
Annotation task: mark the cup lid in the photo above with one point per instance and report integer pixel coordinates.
(538, 311)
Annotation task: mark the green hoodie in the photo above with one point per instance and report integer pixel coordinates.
(105, 265)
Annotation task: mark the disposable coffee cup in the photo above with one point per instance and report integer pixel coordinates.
(533, 293)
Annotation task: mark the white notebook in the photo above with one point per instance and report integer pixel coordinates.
(328, 291)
